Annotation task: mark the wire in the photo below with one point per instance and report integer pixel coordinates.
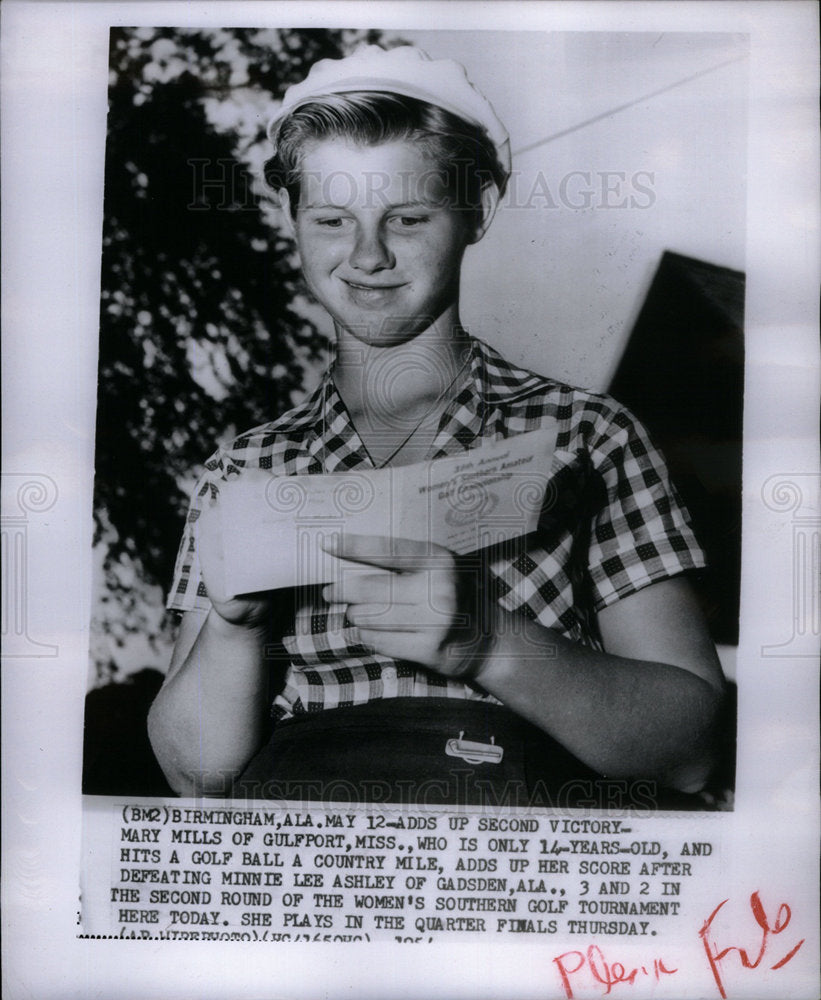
(624, 107)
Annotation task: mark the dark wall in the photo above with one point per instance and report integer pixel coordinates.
(682, 374)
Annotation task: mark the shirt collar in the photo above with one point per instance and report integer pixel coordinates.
(473, 412)
(499, 382)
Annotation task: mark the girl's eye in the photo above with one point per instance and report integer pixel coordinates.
(410, 221)
(332, 222)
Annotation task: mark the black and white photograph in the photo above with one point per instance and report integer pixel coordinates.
(444, 505)
(536, 653)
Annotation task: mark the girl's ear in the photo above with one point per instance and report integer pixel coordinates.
(490, 202)
(287, 215)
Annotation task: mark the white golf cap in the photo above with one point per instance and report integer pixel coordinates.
(404, 70)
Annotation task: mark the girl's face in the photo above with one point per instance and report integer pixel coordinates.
(381, 247)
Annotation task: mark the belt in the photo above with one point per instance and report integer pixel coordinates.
(431, 751)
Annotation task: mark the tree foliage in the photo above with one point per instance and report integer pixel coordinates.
(199, 333)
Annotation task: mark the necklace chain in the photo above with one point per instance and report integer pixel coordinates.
(405, 440)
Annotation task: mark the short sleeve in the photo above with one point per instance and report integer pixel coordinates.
(187, 589)
(642, 533)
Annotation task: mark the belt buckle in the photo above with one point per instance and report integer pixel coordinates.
(474, 753)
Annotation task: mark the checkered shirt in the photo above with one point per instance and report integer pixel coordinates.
(613, 524)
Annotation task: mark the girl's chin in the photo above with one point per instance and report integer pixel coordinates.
(380, 335)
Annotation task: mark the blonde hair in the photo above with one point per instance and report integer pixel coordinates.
(461, 150)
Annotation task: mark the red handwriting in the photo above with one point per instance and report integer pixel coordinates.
(715, 955)
(605, 973)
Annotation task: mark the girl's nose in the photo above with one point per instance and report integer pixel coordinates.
(370, 252)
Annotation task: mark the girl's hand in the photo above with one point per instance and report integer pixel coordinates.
(421, 603)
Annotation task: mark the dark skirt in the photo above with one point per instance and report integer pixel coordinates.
(417, 752)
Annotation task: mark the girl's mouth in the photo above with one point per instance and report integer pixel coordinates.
(370, 294)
